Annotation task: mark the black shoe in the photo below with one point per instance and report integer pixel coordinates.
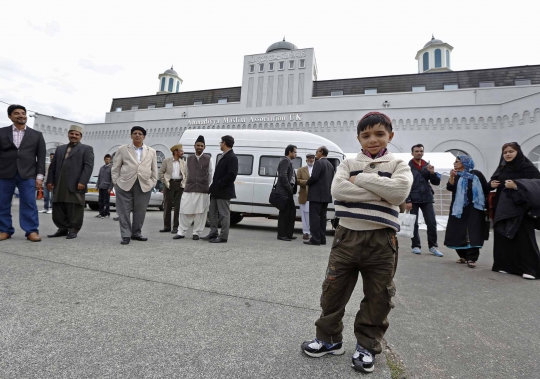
(139, 238)
(292, 238)
(217, 240)
(208, 237)
(177, 237)
(117, 219)
(317, 349)
(125, 241)
(323, 242)
(284, 239)
(59, 233)
(311, 242)
(71, 235)
(195, 237)
(99, 216)
(363, 360)
(165, 230)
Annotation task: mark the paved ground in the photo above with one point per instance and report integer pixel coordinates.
(90, 307)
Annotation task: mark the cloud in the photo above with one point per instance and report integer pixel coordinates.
(10, 70)
(62, 85)
(51, 28)
(101, 69)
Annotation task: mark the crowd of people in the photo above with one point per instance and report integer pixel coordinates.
(368, 192)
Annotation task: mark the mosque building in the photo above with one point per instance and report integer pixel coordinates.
(471, 111)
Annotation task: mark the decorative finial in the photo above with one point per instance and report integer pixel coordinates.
(171, 67)
(432, 37)
(283, 38)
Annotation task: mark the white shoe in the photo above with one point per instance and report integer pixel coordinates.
(44, 211)
(503, 272)
(49, 211)
(527, 276)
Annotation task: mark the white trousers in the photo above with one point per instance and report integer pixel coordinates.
(304, 213)
(198, 220)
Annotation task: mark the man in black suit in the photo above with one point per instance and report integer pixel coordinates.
(222, 191)
(286, 185)
(22, 165)
(69, 173)
(319, 195)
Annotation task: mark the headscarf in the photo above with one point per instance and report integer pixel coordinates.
(519, 164)
(461, 200)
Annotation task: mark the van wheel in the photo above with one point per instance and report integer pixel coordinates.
(93, 206)
(236, 218)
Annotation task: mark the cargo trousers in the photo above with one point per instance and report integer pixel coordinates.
(374, 255)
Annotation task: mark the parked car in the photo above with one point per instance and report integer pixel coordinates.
(92, 196)
(259, 153)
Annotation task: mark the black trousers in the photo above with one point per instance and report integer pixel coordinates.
(286, 219)
(317, 221)
(104, 202)
(172, 197)
(68, 216)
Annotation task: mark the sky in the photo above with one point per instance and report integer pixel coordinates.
(70, 59)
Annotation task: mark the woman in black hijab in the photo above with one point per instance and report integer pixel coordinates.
(519, 255)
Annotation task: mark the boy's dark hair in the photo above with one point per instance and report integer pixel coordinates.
(228, 140)
(288, 149)
(417, 145)
(373, 118)
(324, 151)
(107, 156)
(12, 108)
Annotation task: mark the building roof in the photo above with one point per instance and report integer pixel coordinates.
(433, 41)
(281, 45)
(170, 72)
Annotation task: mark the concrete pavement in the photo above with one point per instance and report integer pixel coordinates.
(90, 307)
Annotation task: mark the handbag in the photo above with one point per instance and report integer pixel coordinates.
(490, 203)
(487, 226)
(406, 223)
(39, 195)
(277, 200)
(534, 214)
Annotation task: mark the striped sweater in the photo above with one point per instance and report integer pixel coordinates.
(372, 201)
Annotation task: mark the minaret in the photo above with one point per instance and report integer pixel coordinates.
(434, 56)
(169, 82)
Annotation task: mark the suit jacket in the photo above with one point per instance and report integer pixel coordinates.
(104, 180)
(303, 176)
(166, 170)
(320, 182)
(285, 174)
(127, 168)
(222, 186)
(81, 165)
(28, 160)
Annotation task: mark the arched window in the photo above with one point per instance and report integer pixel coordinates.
(448, 58)
(425, 58)
(159, 157)
(171, 84)
(178, 86)
(163, 84)
(534, 156)
(457, 152)
(438, 58)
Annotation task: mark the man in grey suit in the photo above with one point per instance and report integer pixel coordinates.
(22, 165)
(319, 195)
(69, 173)
(105, 186)
(134, 175)
(286, 186)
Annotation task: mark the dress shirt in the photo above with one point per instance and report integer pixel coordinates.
(139, 151)
(310, 168)
(176, 174)
(18, 136)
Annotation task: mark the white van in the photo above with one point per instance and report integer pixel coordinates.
(259, 153)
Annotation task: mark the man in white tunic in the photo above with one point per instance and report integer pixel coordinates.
(196, 199)
(302, 176)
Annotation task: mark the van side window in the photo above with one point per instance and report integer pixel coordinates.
(245, 163)
(335, 162)
(268, 165)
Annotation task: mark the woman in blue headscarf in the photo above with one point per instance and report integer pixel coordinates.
(465, 229)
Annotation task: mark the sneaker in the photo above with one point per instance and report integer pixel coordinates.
(363, 360)
(433, 250)
(49, 211)
(44, 211)
(527, 276)
(416, 250)
(99, 216)
(316, 348)
(503, 272)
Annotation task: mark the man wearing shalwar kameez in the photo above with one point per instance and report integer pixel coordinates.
(69, 173)
(195, 199)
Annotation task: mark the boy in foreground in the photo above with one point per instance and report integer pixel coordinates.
(368, 190)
